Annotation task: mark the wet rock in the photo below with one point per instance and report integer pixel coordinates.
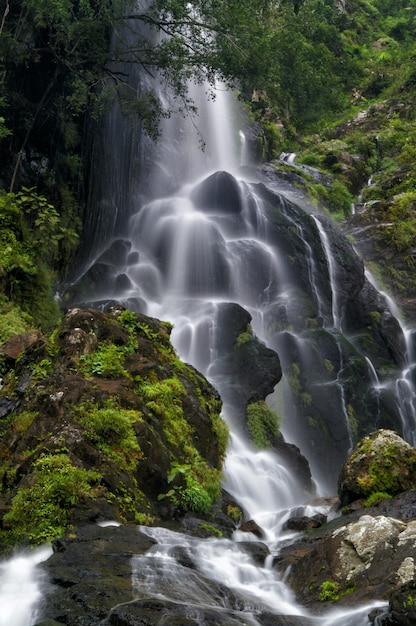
(251, 369)
(74, 596)
(403, 603)
(219, 193)
(350, 554)
(18, 343)
(257, 550)
(305, 523)
(269, 619)
(250, 526)
(381, 462)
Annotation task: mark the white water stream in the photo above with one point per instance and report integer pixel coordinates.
(21, 588)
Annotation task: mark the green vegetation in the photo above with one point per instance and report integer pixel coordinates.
(107, 361)
(263, 424)
(111, 429)
(196, 485)
(13, 320)
(332, 82)
(329, 591)
(32, 240)
(376, 498)
(41, 511)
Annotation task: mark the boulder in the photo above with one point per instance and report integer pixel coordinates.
(403, 602)
(381, 462)
(354, 558)
(219, 193)
(105, 406)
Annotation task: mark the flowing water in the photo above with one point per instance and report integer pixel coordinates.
(21, 588)
(197, 235)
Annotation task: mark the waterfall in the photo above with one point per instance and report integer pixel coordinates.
(210, 238)
(180, 243)
(21, 588)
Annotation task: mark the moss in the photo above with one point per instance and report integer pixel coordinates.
(107, 361)
(113, 412)
(111, 429)
(376, 498)
(13, 321)
(210, 529)
(328, 591)
(244, 337)
(40, 511)
(262, 423)
(383, 474)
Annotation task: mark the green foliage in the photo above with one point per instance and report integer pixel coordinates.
(400, 234)
(41, 511)
(106, 361)
(376, 497)
(13, 321)
(31, 234)
(263, 424)
(339, 199)
(329, 591)
(41, 370)
(111, 429)
(193, 495)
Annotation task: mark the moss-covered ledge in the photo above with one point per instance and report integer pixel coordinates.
(102, 420)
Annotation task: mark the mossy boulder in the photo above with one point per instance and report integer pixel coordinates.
(382, 462)
(102, 420)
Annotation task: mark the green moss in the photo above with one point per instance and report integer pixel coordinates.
(262, 423)
(328, 591)
(376, 498)
(22, 421)
(41, 511)
(107, 361)
(383, 474)
(13, 321)
(200, 484)
(111, 429)
(212, 530)
(244, 337)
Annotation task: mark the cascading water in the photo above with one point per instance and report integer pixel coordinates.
(21, 588)
(183, 256)
(194, 240)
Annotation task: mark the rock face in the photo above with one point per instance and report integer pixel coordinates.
(381, 462)
(248, 372)
(354, 559)
(104, 421)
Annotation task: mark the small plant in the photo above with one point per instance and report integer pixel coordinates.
(107, 361)
(111, 429)
(329, 591)
(410, 602)
(376, 498)
(41, 370)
